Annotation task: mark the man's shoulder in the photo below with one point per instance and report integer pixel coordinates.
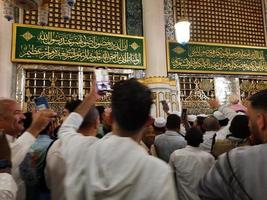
(156, 164)
(248, 152)
(244, 157)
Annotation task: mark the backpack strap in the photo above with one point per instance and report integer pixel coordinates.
(213, 142)
(235, 177)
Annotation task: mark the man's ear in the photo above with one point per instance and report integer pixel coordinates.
(261, 121)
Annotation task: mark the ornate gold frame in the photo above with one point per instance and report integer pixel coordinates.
(13, 50)
(212, 72)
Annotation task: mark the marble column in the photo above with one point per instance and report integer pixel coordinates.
(7, 69)
(156, 72)
(154, 32)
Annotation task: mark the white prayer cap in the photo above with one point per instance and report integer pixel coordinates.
(160, 122)
(191, 118)
(202, 115)
(241, 113)
(175, 112)
(219, 115)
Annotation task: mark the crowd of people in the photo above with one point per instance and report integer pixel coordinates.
(122, 153)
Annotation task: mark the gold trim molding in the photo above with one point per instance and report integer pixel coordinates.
(158, 80)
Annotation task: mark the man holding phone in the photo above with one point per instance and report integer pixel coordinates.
(118, 158)
(11, 121)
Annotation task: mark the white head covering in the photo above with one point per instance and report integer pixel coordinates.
(219, 115)
(202, 115)
(160, 122)
(191, 118)
(175, 112)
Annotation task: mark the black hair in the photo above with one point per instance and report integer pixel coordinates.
(28, 120)
(223, 122)
(259, 100)
(173, 122)
(239, 127)
(158, 130)
(72, 105)
(194, 137)
(200, 121)
(100, 110)
(131, 102)
(90, 118)
(211, 124)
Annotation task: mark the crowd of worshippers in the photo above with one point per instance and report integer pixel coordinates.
(122, 153)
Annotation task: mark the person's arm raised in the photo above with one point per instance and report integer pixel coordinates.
(40, 121)
(88, 101)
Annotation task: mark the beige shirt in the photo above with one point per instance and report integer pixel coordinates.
(73, 149)
(8, 187)
(55, 171)
(19, 149)
(190, 165)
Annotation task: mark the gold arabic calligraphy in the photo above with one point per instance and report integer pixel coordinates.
(80, 47)
(79, 54)
(226, 53)
(218, 64)
(81, 40)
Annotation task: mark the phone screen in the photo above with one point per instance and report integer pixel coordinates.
(41, 103)
(102, 80)
(184, 113)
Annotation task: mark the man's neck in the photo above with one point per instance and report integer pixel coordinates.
(136, 136)
(174, 130)
(88, 132)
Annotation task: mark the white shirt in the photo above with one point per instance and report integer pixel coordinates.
(223, 132)
(19, 149)
(118, 168)
(190, 165)
(207, 141)
(8, 187)
(73, 149)
(55, 171)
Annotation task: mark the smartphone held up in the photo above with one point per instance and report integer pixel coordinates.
(41, 103)
(184, 114)
(102, 80)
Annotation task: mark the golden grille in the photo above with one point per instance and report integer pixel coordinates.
(227, 22)
(249, 86)
(93, 15)
(188, 84)
(38, 81)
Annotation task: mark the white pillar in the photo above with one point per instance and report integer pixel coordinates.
(154, 32)
(7, 87)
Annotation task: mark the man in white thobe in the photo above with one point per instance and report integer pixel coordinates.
(190, 164)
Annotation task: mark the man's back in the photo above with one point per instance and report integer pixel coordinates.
(190, 165)
(167, 143)
(248, 168)
(55, 171)
(119, 169)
